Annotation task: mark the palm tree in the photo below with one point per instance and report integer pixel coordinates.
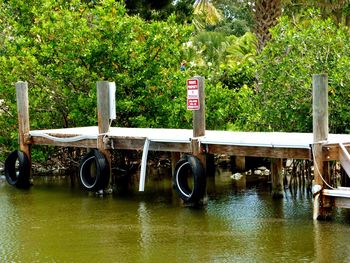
(205, 13)
(266, 14)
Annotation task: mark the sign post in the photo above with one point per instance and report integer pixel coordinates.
(196, 103)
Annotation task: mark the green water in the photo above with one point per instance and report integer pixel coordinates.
(56, 221)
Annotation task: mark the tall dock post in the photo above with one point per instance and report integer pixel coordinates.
(23, 117)
(320, 135)
(199, 122)
(103, 116)
(199, 115)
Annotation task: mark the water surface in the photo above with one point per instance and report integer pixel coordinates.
(56, 221)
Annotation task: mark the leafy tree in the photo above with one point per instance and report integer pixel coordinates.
(229, 60)
(62, 48)
(161, 10)
(237, 17)
(298, 49)
(205, 14)
(240, 61)
(338, 10)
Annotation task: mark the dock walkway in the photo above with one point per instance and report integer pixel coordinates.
(256, 144)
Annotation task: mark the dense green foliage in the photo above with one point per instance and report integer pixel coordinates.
(237, 17)
(63, 47)
(298, 50)
(161, 10)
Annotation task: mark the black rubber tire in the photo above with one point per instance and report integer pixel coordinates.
(189, 164)
(19, 177)
(98, 179)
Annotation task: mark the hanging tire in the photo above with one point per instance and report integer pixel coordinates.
(17, 169)
(94, 171)
(189, 170)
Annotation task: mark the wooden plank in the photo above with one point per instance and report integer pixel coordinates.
(341, 196)
(342, 202)
(80, 144)
(137, 144)
(269, 152)
(127, 143)
(331, 151)
(241, 139)
(338, 192)
(344, 158)
(170, 147)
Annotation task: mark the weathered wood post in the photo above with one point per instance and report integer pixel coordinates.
(320, 136)
(175, 157)
(238, 162)
(199, 122)
(23, 117)
(277, 178)
(103, 116)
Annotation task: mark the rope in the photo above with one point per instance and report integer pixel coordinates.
(72, 139)
(59, 139)
(105, 134)
(316, 165)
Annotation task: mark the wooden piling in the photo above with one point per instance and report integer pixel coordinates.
(199, 123)
(175, 157)
(320, 136)
(277, 178)
(103, 116)
(23, 117)
(199, 115)
(239, 163)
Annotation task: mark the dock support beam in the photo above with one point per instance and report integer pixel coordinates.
(238, 163)
(277, 178)
(320, 133)
(23, 117)
(103, 116)
(175, 157)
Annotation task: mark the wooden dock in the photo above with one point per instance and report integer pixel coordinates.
(319, 146)
(256, 144)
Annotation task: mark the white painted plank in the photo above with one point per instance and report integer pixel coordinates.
(337, 192)
(344, 158)
(256, 139)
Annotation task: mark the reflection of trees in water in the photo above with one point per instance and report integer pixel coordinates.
(298, 176)
(13, 212)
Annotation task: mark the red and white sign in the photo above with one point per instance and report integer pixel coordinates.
(192, 94)
(193, 104)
